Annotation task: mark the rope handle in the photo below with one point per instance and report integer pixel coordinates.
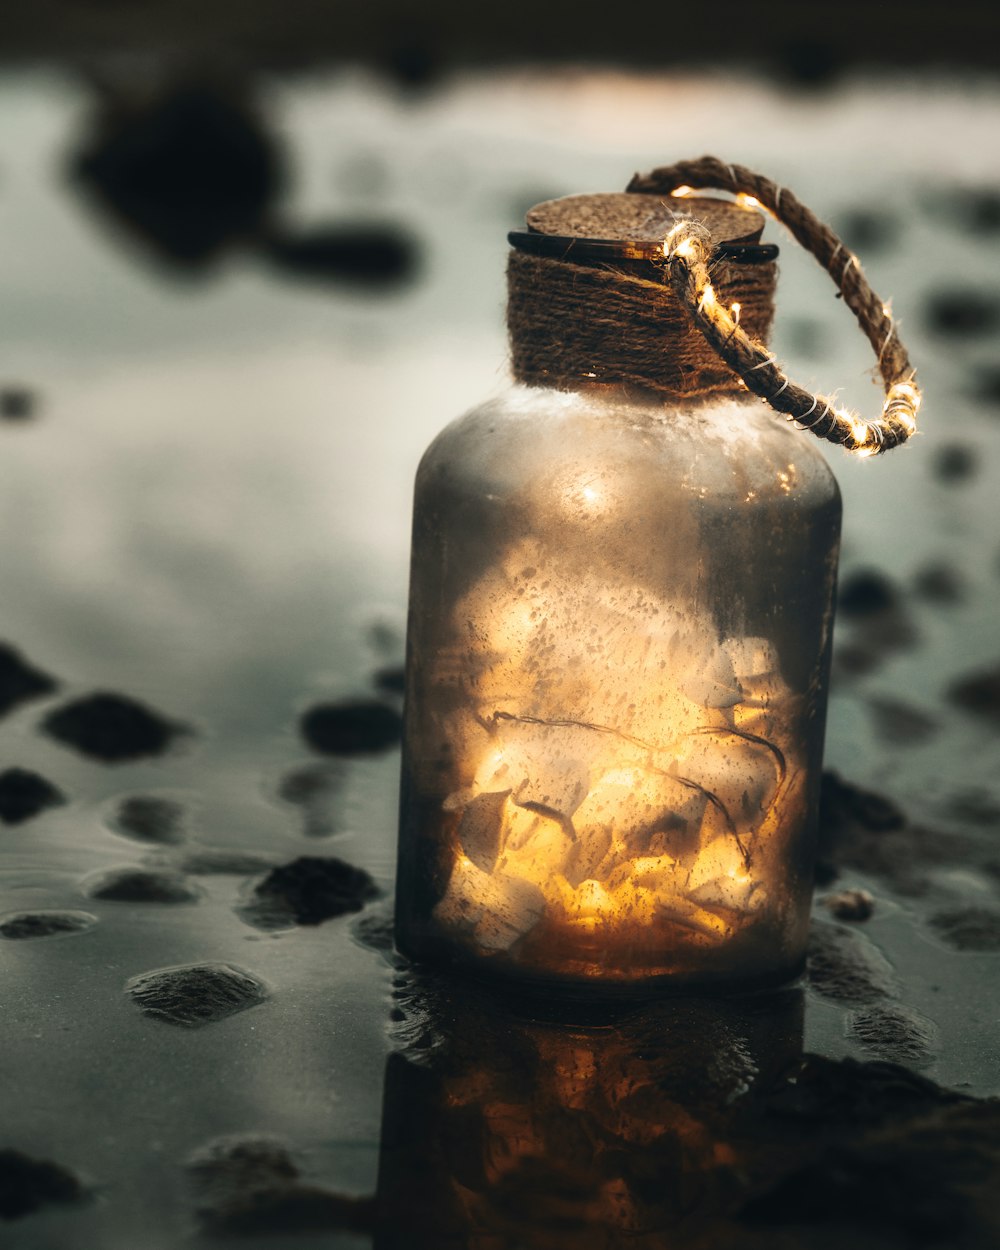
(687, 254)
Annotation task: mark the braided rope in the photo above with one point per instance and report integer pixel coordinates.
(687, 252)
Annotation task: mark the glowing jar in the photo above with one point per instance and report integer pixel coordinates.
(620, 615)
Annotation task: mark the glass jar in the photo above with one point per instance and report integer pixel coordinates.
(617, 661)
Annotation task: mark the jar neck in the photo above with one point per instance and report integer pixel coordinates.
(572, 326)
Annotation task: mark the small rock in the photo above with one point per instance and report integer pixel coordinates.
(806, 337)
(826, 1093)
(17, 925)
(141, 885)
(308, 891)
(24, 794)
(939, 583)
(962, 313)
(874, 605)
(895, 1032)
(19, 681)
(27, 1184)
(352, 727)
(954, 462)
(361, 255)
(196, 994)
(984, 385)
(390, 679)
(850, 904)
(314, 789)
(809, 63)
(977, 806)
(854, 660)
(111, 727)
(250, 1184)
(211, 861)
(845, 967)
(190, 169)
(868, 230)
(968, 928)
(17, 403)
(978, 693)
(932, 1182)
(977, 207)
(865, 592)
(900, 723)
(147, 818)
(841, 802)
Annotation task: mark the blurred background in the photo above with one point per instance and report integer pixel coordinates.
(252, 261)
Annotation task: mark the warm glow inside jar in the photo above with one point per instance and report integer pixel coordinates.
(619, 629)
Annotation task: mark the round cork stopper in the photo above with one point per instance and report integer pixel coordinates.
(642, 218)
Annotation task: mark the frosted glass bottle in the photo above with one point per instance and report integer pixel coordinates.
(617, 662)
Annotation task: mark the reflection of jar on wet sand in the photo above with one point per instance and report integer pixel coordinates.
(544, 1136)
(621, 604)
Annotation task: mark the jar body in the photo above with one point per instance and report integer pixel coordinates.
(617, 659)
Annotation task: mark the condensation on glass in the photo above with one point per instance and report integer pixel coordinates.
(618, 648)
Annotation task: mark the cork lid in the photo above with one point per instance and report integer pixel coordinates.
(632, 226)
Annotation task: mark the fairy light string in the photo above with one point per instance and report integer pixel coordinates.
(687, 255)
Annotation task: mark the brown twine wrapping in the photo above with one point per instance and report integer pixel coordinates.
(571, 323)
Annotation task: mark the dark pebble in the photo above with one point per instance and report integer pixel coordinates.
(873, 604)
(844, 966)
(315, 789)
(376, 257)
(808, 63)
(895, 1032)
(962, 312)
(841, 802)
(147, 818)
(18, 925)
(190, 170)
(868, 230)
(211, 861)
(19, 680)
(850, 904)
(939, 583)
(111, 727)
(196, 994)
(901, 724)
(390, 679)
(24, 794)
(17, 403)
(977, 806)
(825, 1094)
(866, 592)
(28, 1184)
(978, 208)
(141, 885)
(954, 462)
(806, 337)
(853, 659)
(978, 693)
(984, 384)
(352, 727)
(968, 928)
(930, 1183)
(249, 1184)
(308, 891)
(867, 832)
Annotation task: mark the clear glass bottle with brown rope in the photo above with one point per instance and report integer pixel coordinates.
(618, 648)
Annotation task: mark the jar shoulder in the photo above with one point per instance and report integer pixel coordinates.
(730, 448)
